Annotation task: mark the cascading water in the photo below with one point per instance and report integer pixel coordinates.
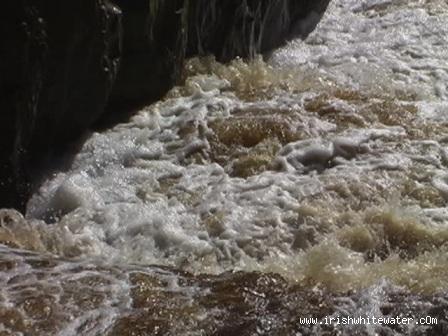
(311, 185)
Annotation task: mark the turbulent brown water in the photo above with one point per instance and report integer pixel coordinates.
(313, 185)
(44, 295)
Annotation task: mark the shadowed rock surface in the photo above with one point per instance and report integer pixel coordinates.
(153, 52)
(63, 63)
(244, 28)
(58, 64)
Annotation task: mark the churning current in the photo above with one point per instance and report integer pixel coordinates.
(325, 165)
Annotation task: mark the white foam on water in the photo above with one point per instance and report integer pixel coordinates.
(361, 43)
(150, 190)
(344, 142)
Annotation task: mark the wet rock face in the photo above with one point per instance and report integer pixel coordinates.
(153, 51)
(23, 53)
(65, 65)
(157, 35)
(244, 28)
(58, 63)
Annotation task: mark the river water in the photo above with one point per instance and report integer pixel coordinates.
(312, 184)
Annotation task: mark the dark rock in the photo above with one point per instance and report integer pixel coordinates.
(59, 60)
(153, 51)
(244, 28)
(23, 52)
(155, 38)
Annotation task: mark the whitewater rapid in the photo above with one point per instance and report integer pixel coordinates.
(325, 164)
(323, 169)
